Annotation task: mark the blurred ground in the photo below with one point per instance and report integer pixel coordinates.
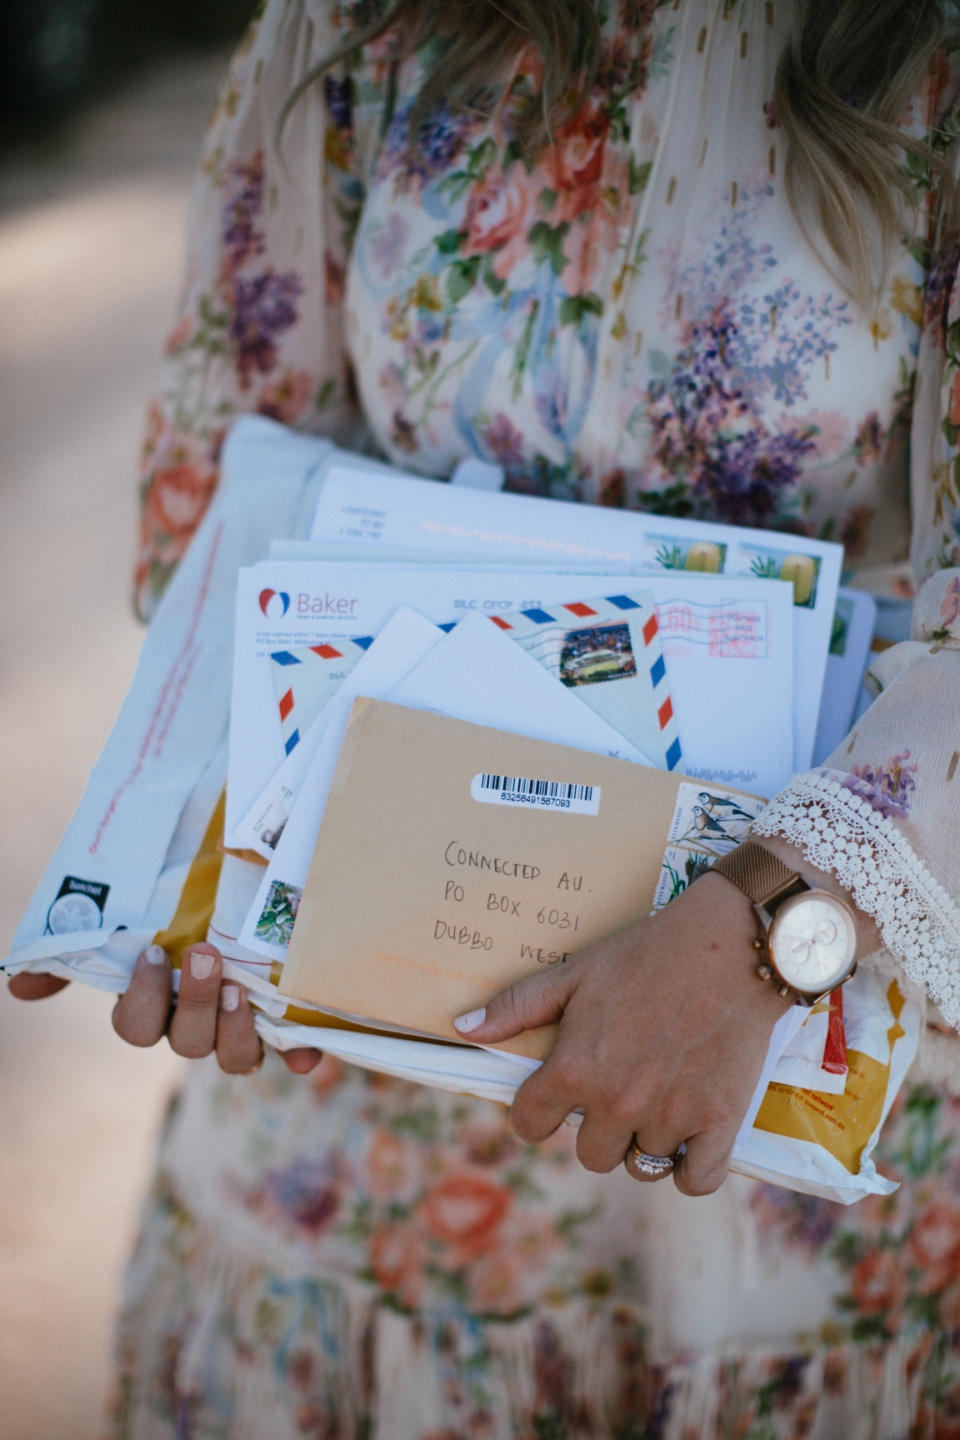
(90, 227)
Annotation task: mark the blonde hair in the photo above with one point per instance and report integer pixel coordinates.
(842, 84)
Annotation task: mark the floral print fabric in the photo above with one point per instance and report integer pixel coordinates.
(631, 319)
(362, 1258)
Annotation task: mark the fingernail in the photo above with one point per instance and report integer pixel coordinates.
(471, 1021)
(201, 964)
(229, 997)
(155, 955)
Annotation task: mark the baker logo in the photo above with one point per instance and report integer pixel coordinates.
(274, 603)
(78, 906)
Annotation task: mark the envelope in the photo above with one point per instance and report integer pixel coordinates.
(402, 643)
(475, 673)
(454, 858)
(608, 651)
(285, 606)
(853, 627)
(306, 678)
(586, 644)
(359, 506)
(727, 639)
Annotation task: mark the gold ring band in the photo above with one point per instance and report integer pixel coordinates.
(651, 1167)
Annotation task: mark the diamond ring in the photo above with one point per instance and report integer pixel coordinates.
(649, 1167)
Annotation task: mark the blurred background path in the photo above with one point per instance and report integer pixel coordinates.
(90, 233)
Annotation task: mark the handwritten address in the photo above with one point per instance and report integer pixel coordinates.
(471, 888)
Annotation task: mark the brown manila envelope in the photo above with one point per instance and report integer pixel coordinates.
(453, 859)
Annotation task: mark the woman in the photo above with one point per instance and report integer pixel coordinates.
(654, 291)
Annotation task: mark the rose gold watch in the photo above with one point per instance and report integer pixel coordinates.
(807, 937)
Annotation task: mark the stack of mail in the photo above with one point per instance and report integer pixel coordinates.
(697, 649)
(646, 682)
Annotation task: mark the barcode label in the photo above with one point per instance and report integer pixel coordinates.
(536, 794)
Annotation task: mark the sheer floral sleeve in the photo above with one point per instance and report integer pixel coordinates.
(883, 814)
(259, 323)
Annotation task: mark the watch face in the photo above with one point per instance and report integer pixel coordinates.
(813, 941)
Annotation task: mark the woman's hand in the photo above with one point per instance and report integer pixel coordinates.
(210, 1014)
(663, 1032)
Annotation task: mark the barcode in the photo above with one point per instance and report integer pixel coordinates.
(522, 792)
(552, 789)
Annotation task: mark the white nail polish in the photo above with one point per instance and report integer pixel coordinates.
(229, 997)
(155, 955)
(201, 964)
(470, 1021)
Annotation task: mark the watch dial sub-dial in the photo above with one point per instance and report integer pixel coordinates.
(813, 941)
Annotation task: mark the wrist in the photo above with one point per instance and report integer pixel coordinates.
(726, 927)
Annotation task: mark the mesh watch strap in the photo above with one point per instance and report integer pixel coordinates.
(758, 873)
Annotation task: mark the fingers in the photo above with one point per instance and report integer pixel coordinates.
(193, 1028)
(35, 987)
(699, 1165)
(544, 1101)
(535, 1000)
(239, 1047)
(606, 1139)
(602, 1142)
(302, 1060)
(210, 1014)
(706, 1163)
(140, 1015)
(609, 1132)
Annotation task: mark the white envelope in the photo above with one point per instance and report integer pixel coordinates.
(263, 825)
(728, 649)
(728, 645)
(402, 643)
(282, 605)
(357, 506)
(478, 673)
(284, 548)
(849, 656)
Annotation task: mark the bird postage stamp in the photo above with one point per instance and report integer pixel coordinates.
(708, 821)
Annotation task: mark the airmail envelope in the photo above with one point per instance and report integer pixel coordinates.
(454, 858)
(284, 607)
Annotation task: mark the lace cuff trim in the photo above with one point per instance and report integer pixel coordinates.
(841, 832)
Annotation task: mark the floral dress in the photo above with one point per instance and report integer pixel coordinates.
(632, 319)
